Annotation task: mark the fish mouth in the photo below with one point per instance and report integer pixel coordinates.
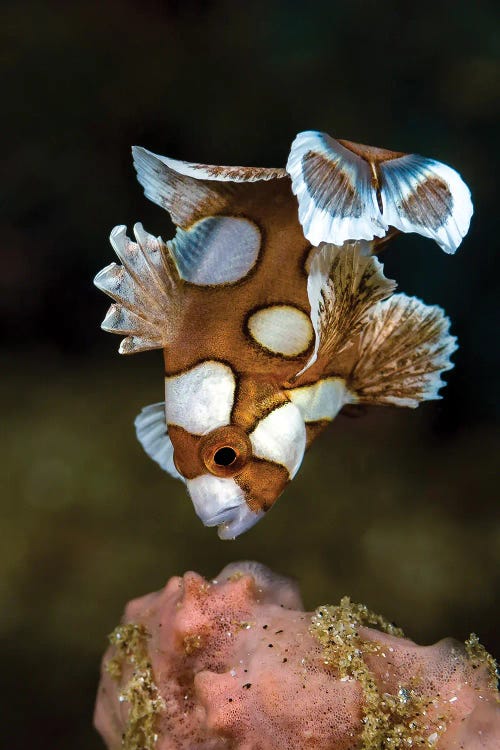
(222, 516)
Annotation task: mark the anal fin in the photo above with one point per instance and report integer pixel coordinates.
(403, 350)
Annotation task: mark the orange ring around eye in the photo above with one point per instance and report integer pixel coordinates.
(225, 451)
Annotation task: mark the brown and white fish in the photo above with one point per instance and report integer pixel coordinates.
(273, 312)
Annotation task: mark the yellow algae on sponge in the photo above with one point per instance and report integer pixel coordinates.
(140, 692)
(390, 721)
(479, 657)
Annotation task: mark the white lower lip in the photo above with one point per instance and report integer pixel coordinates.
(216, 500)
(224, 516)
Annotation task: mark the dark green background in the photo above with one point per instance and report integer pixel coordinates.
(397, 508)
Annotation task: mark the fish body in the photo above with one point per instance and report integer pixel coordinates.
(274, 312)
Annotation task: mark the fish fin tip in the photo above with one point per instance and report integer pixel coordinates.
(427, 197)
(152, 433)
(145, 289)
(403, 351)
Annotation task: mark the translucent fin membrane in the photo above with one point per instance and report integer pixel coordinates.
(216, 250)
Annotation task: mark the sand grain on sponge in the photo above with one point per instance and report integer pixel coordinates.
(235, 663)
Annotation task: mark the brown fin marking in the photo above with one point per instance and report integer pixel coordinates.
(238, 174)
(147, 291)
(333, 191)
(403, 350)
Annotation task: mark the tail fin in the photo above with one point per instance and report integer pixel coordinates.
(347, 191)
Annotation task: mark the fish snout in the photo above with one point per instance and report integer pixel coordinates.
(220, 501)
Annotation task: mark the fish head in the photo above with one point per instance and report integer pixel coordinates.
(236, 444)
(235, 476)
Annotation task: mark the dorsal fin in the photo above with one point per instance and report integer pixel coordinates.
(348, 191)
(147, 291)
(189, 191)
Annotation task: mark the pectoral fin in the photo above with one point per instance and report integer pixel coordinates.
(151, 430)
(403, 350)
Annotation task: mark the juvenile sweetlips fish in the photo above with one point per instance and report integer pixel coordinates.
(273, 311)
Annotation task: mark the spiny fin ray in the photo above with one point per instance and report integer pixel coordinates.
(146, 290)
(404, 349)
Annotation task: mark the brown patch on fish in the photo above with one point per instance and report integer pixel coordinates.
(187, 458)
(371, 154)
(255, 398)
(262, 482)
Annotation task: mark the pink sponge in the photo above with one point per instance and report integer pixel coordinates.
(237, 663)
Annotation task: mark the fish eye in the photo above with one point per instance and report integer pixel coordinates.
(225, 456)
(225, 451)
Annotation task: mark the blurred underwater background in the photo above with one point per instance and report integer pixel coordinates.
(398, 508)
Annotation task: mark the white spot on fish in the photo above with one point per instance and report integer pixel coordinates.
(281, 437)
(201, 399)
(216, 250)
(282, 329)
(321, 400)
